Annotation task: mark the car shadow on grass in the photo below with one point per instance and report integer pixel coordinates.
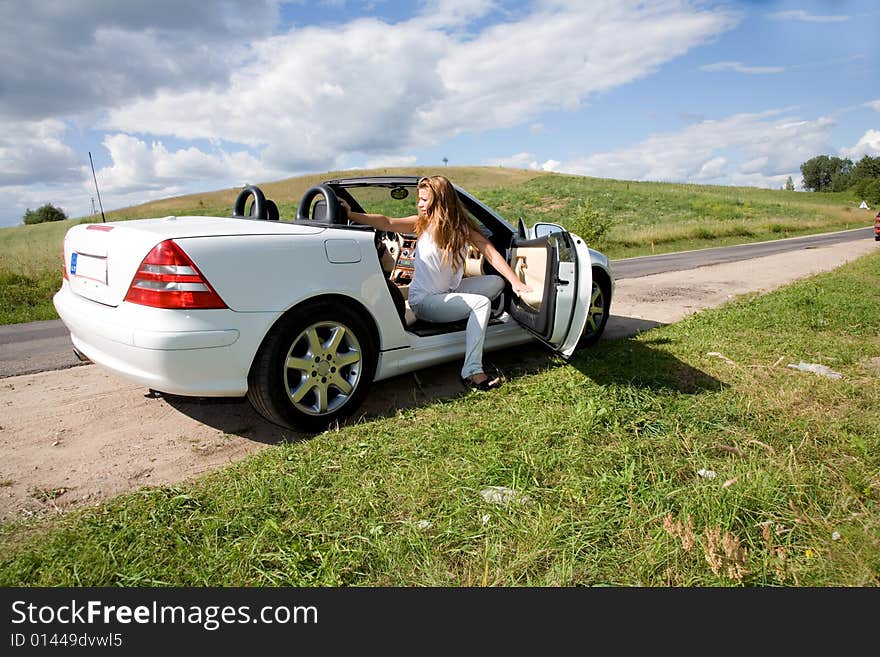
(615, 359)
(645, 363)
(386, 398)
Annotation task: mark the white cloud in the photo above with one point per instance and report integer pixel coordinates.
(557, 57)
(141, 172)
(800, 15)
(32, 152)
(516, 161)
(74, 200)
(292, 102)
(453, 13)
(62, 58)
(139, 167)
(754, 166)
(874, 104)
(522, 161)
(407, 86)
(391, 161)
(712, 169)
(738, 67)
(745, 149)
(869, 144)
(740, 179)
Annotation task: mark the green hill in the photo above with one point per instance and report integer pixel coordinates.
(641, 218)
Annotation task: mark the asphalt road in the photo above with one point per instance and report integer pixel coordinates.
(657, 264)
(43, 346)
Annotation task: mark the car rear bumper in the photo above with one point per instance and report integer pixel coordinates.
(186, 352)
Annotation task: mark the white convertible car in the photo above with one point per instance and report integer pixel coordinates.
(303, 316)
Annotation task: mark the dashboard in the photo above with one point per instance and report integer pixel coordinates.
(403, 267)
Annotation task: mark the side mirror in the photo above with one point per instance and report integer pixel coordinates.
(542, 229)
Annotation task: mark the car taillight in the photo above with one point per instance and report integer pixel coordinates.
(167, 278)
(64, 265)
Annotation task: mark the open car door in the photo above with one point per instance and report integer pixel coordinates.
(557, 267)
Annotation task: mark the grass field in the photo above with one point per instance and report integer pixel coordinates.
(644, 218)
(647, 461)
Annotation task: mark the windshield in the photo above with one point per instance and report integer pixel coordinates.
(396, 201)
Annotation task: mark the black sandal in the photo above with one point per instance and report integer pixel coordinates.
(486, 384)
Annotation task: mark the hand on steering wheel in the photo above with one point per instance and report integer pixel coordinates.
(346, 209)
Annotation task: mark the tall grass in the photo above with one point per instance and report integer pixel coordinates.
(30, 271)
(689, 455)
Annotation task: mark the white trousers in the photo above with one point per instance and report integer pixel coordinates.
(472, 299)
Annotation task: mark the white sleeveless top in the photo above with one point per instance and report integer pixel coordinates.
(431, 275)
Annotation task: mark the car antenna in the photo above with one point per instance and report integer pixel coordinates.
(100, 205)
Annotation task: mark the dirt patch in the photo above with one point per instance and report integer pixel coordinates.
(872, 366)
(78, 436)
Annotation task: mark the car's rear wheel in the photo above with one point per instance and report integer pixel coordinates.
(597, 317)
(314, 367)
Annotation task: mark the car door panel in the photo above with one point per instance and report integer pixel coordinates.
(533, 263)
(556, 308)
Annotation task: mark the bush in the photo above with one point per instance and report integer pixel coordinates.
(868, 190)
(41, 215)
(589, 223)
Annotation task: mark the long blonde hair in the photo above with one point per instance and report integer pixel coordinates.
(448, 220)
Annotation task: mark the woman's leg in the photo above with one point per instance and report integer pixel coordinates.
(457, 305)
(489, 285)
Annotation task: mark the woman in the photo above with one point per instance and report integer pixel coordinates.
(438, 292)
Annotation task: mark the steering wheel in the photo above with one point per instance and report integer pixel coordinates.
(388, 246)
(392, 241)
(335, 216)
(259, 208)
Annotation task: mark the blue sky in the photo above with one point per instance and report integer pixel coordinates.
(179, 96)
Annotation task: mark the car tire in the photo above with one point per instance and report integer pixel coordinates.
(314, 368)
(599, 311)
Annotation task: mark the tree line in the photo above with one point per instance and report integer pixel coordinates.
(826, 173)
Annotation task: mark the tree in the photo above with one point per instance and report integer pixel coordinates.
(866, 169)
(868, 190)
(445, 161)
(789, 185)
(826, 174)
(44, 213)
(833, 174)
(866, 179)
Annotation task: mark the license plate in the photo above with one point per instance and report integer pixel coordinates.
(91, 267)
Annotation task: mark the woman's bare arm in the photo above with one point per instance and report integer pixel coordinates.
(380, 221)
(494, 258)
